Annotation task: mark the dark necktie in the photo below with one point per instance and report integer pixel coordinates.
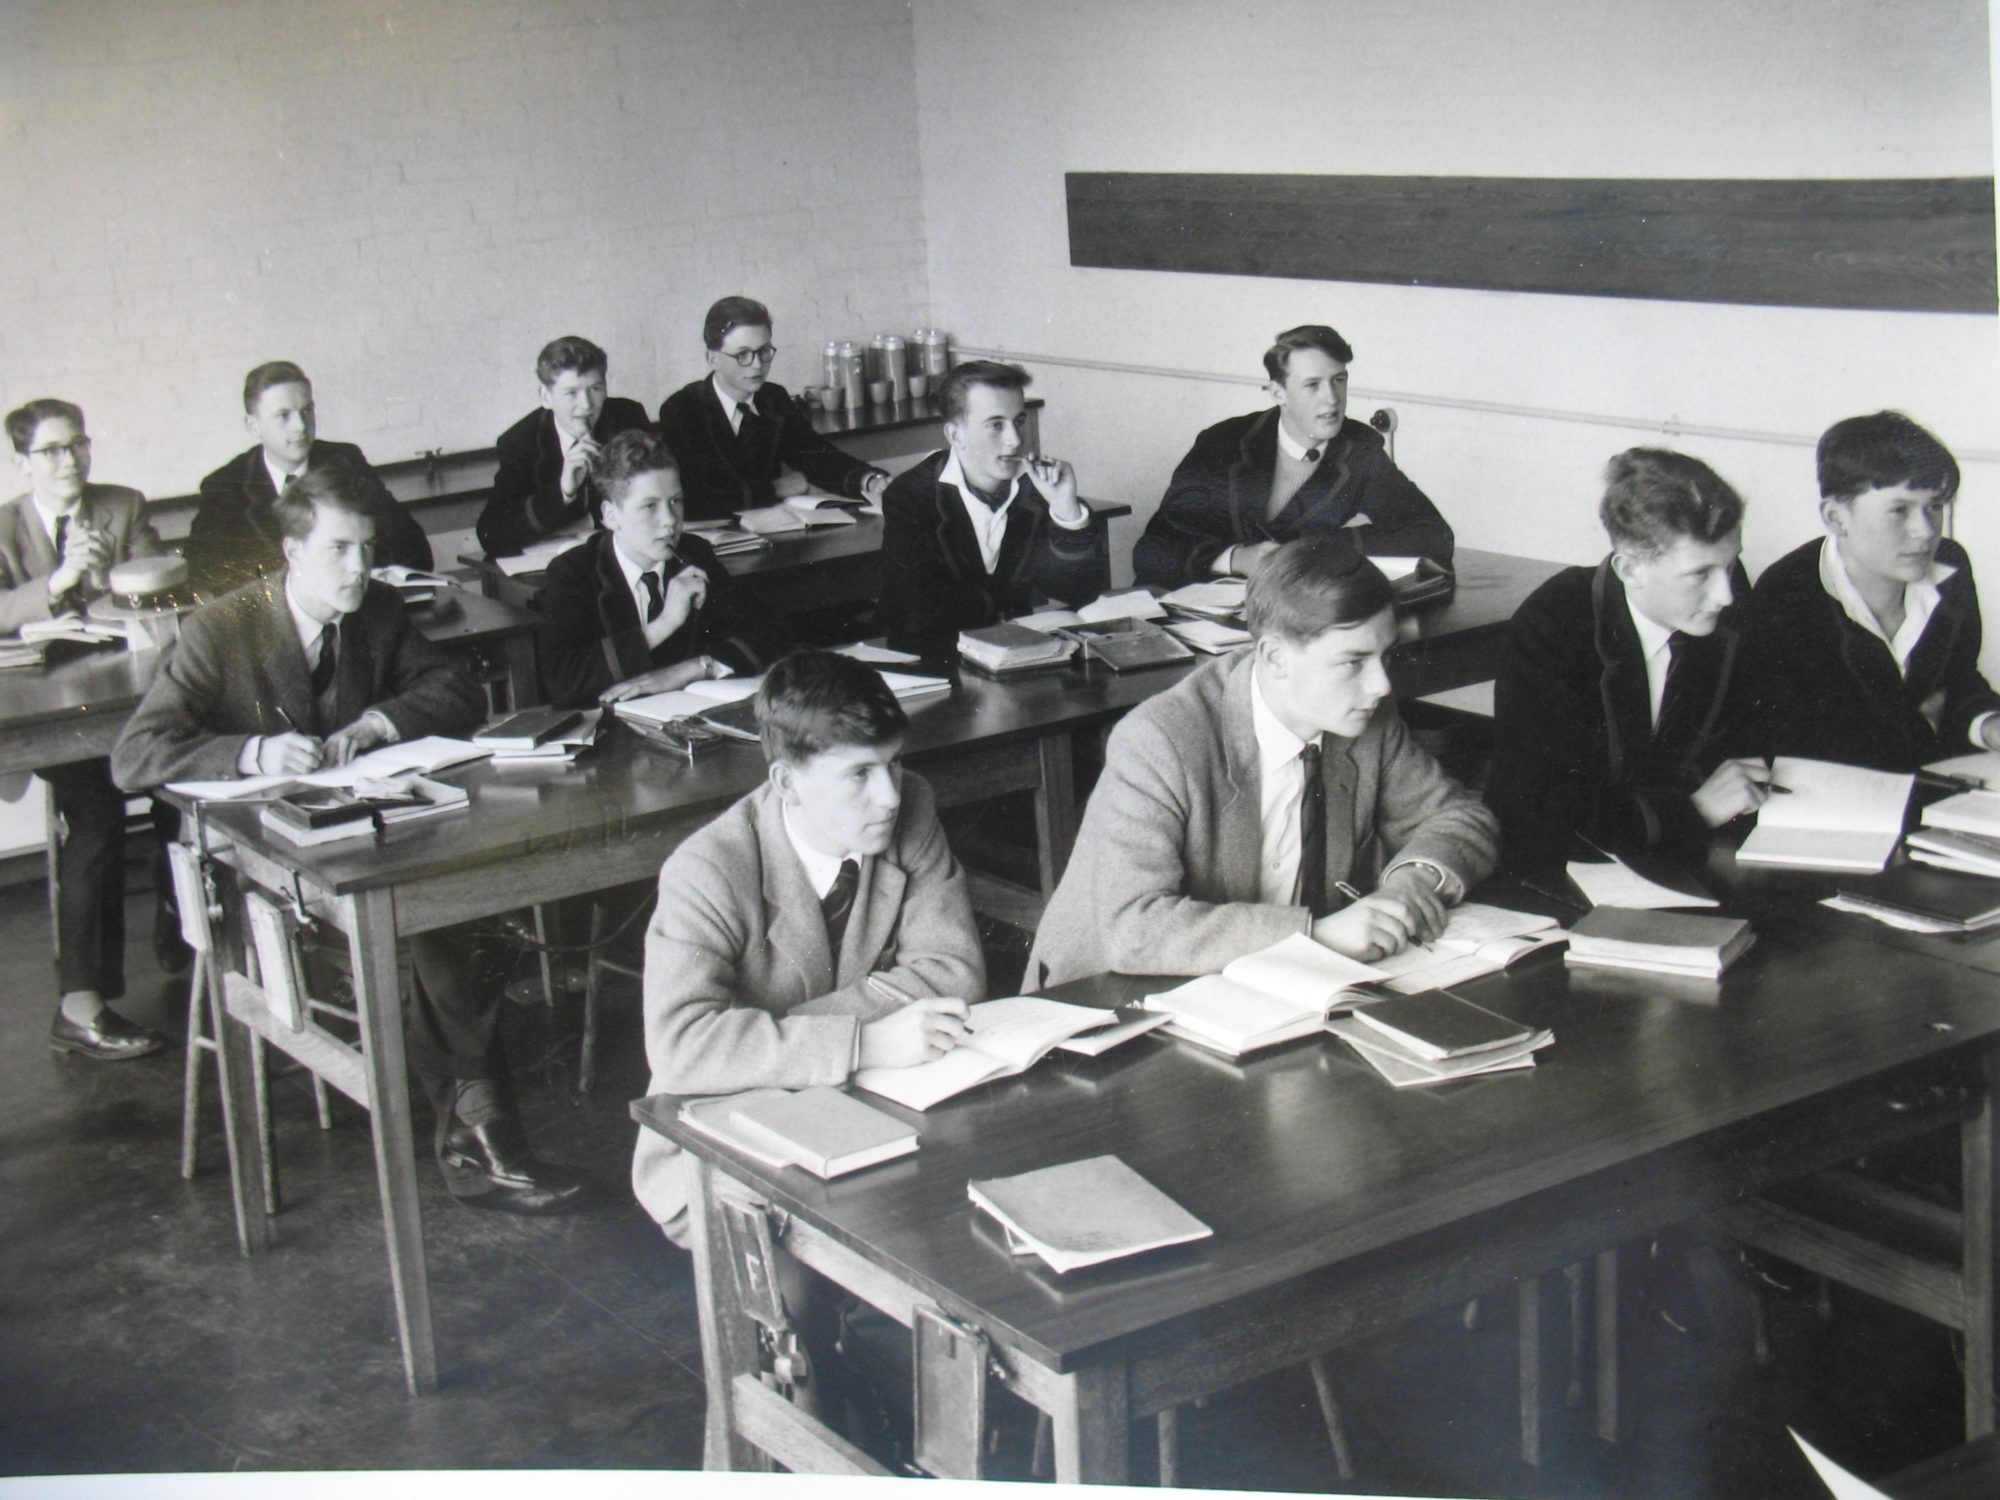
(656, 597)
(1674, 644)
(62, 536)
(837, 903)
(1312, 455)
(1312, 834)
(323, 668)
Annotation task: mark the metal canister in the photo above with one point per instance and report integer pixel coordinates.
(933, 351)
(896, 366)
(830, 363)
(875, 357)
(853, 376)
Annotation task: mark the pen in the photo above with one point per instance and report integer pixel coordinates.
(1560, 900)
(1945, 781)
(1347, 890)
(882, 986)
(286, 718)
(1772, 786)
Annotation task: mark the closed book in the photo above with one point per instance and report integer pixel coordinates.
(527, 729)
(1404, 1069)
(1965, 901)
(827, 1132)
(1974, 852)
(1436, 1024)
(1008, 647)
(1670, 941)
(1967, 812)
(1083, 1213)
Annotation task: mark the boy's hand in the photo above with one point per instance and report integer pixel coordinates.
(920, 1031)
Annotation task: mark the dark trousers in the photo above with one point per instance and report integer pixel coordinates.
(90, 876)
(454, 1028)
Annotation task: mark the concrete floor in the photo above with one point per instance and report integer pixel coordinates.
(134, 1337)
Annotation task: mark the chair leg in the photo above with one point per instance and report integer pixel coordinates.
(198, 1042)
(593, 986)
(1170, 1447)
(551, 973)
(1042, 1463)
(1329, 1410)
(321, 1103)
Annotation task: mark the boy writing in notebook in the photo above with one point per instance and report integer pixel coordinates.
(1866, 641)
(818, 926)
(1264, 793)
(1621, 694)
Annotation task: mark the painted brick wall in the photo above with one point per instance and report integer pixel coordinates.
(410, 198)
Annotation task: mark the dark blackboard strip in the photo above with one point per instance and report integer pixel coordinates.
(1918, 245)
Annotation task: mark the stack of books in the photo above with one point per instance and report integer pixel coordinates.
(1275, 995)
(1083, 1213)
(1950, 849)
(1216, 637)
(18, 653)
(1413, 1041)
(1663, 942)
(540, 736)
(1004, 649)
(1923, 900)
(310, 815)
(1211, 599)
(821, 1130)
(413, 585)
(1003, 1038)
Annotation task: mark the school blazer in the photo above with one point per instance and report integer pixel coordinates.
(1828, 689)
(1164, 876)
(28, 553)
(591, 635)
(1575, 749)
(239, 670)
(527, 501)
(234, 535)
(934, 582)
(1219, 492)
(723, 472)
(741, 989)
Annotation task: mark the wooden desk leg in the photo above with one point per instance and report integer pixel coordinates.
(1055, 807)
(1607, 1345)
(1093, 1431)
(1981, 1207)
(728, 1338)
(243, 1140)
(524, 687)
(378, 1000)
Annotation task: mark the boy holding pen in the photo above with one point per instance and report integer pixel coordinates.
(818, 926)
(1621, 706)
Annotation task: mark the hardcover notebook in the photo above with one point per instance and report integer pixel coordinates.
(823, 1130)
(1009, 647)
(1830, 817)
(1437, 1024)
(527, 729)
(1952, 902)
(1668, 942)
(1405, 1068)
(1084, 1213)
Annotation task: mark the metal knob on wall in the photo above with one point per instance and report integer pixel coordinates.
(1384, 422)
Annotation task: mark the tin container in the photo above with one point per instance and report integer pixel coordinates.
(933, 356)
(896, 366)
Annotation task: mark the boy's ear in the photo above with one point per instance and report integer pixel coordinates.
(780, 772)
(1834, 512)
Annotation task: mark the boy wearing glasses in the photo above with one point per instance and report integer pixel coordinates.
(57, 541)
(742, 441)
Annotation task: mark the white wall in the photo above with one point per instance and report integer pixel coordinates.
(1613, 88)
(409, 197)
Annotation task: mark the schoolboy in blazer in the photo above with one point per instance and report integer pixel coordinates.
(1866, 642)
(1621, 704)
(1301, 468)
(741, 440)
(546, 479)
(249, 689)
(642, 606)
(100, 526)
(235, 536)
(818, 926)
(983, 530)
(1198, 843)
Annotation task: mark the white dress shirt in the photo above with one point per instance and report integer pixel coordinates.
(311, 639)
(655, 630)
(1920, 602)
(989, 522)
(822, 869)
(730, 404)
(50, 517)
(1656, 646)
(279, 477)
(1281, 782)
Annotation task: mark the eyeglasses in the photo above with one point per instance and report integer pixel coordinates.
(748, 357)
(77, 448)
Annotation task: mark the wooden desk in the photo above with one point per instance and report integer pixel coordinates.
(77, 709)
(1342, 1206)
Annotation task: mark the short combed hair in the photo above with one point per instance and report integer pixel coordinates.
(1880, 452)
(273, 372)
(570, 352)
(1278, 358)
(635, 451)
(953, 391)
(1312, 585)
(733, 312)
(814, 701)
(25, 418)
(1653, 497)
(337, 488)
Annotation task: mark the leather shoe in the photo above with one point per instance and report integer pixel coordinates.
(109, 1038)
(489, 1166)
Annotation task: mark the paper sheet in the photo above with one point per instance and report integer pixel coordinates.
(431, 753)
(1134, 604)
(1618, 884)
(1839, 1482)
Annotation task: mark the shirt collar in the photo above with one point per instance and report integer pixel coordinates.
(278, 475)
(1653, 636)
(1294, 449)
(1277, 746)
(1920, 599)
(953, 474)
(308, 628)
(821, 868)
(50, 517)
(729, 402)
(633, 571)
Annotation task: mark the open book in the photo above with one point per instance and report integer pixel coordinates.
(1477, 939)
(1083, 1213)
(1828, 817)
(1004, 1037)
(1133, 604)
(536, 556)
(1274, 995)
(426, 757)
